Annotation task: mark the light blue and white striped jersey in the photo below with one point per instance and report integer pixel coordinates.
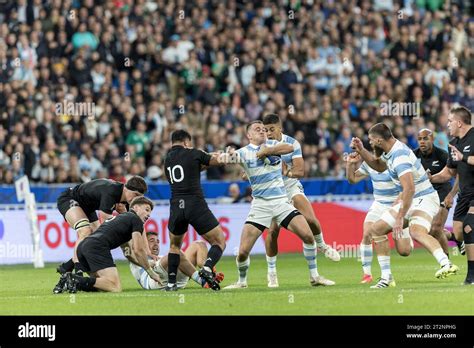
(385, 191)
(266, 179)
(288, 158)
(401, 160)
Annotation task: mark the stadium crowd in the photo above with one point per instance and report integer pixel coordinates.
(93, 89)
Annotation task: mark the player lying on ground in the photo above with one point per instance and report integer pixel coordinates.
(188, 207)
(262, 164)
(434, 159)
(385, 196)
(194, 256)
(419, 200)
(94, 251)
(78, 206)
(293, 168)
(461, 163)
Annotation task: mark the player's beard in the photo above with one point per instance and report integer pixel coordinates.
(378, 151)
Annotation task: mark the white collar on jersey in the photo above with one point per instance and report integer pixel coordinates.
(394, 147)
(254, 146)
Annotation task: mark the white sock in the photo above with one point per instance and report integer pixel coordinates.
(366, 255)
(271, 263)
(320, 240)
(441, 257)
(309, 251)
(243, 269)
(197, 278)
(384, 262)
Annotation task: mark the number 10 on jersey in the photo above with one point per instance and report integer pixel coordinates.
(172, 173)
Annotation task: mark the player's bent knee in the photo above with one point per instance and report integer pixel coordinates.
(468, 226)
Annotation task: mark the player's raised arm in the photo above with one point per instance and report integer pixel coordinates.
(354, 174)
(374, 162)
(459, 156)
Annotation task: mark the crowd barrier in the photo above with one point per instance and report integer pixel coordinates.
(341, 221)
(212, 189)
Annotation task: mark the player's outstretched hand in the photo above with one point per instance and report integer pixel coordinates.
(398, 228)
(263, 152)
(455, 153)
(448, 201)
(357, 145)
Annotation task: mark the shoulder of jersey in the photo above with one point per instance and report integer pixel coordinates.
(288, 139)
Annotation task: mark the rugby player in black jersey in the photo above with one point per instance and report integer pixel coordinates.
(183, 165)
(78, 206)
(461, 162)
(434, 159)
(94, 251)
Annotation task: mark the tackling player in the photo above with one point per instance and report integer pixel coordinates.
(385, 195)
(293, 170)
(461, 163)
(262, 164)
(419, 201)
(78, 206)
(94, 251)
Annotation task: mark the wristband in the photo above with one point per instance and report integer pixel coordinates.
(465, 157)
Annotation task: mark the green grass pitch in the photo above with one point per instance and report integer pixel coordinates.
(27, 291)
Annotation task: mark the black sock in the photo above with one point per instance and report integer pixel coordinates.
(78, 267)
(67, 266)
(213, 256)
(85, 283)
(452, 237)
(470, 269)
(173, 264)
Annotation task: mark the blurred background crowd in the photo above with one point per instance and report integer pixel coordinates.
(92, 89)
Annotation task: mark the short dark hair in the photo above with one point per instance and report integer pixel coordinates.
(463, 113)
(141, 200)
(271, 119)
(381, 130)
(137, 183)
(179, 136)
(251, 124)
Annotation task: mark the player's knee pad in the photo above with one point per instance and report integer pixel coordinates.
(380, 239)
(467, 229)
(420, 221)
(81, 224)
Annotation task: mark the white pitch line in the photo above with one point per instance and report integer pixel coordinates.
(233, 292)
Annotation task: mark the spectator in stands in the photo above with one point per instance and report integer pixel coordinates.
(148, 72)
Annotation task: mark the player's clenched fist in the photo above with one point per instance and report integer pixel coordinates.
(356, 144)
(353, 157)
